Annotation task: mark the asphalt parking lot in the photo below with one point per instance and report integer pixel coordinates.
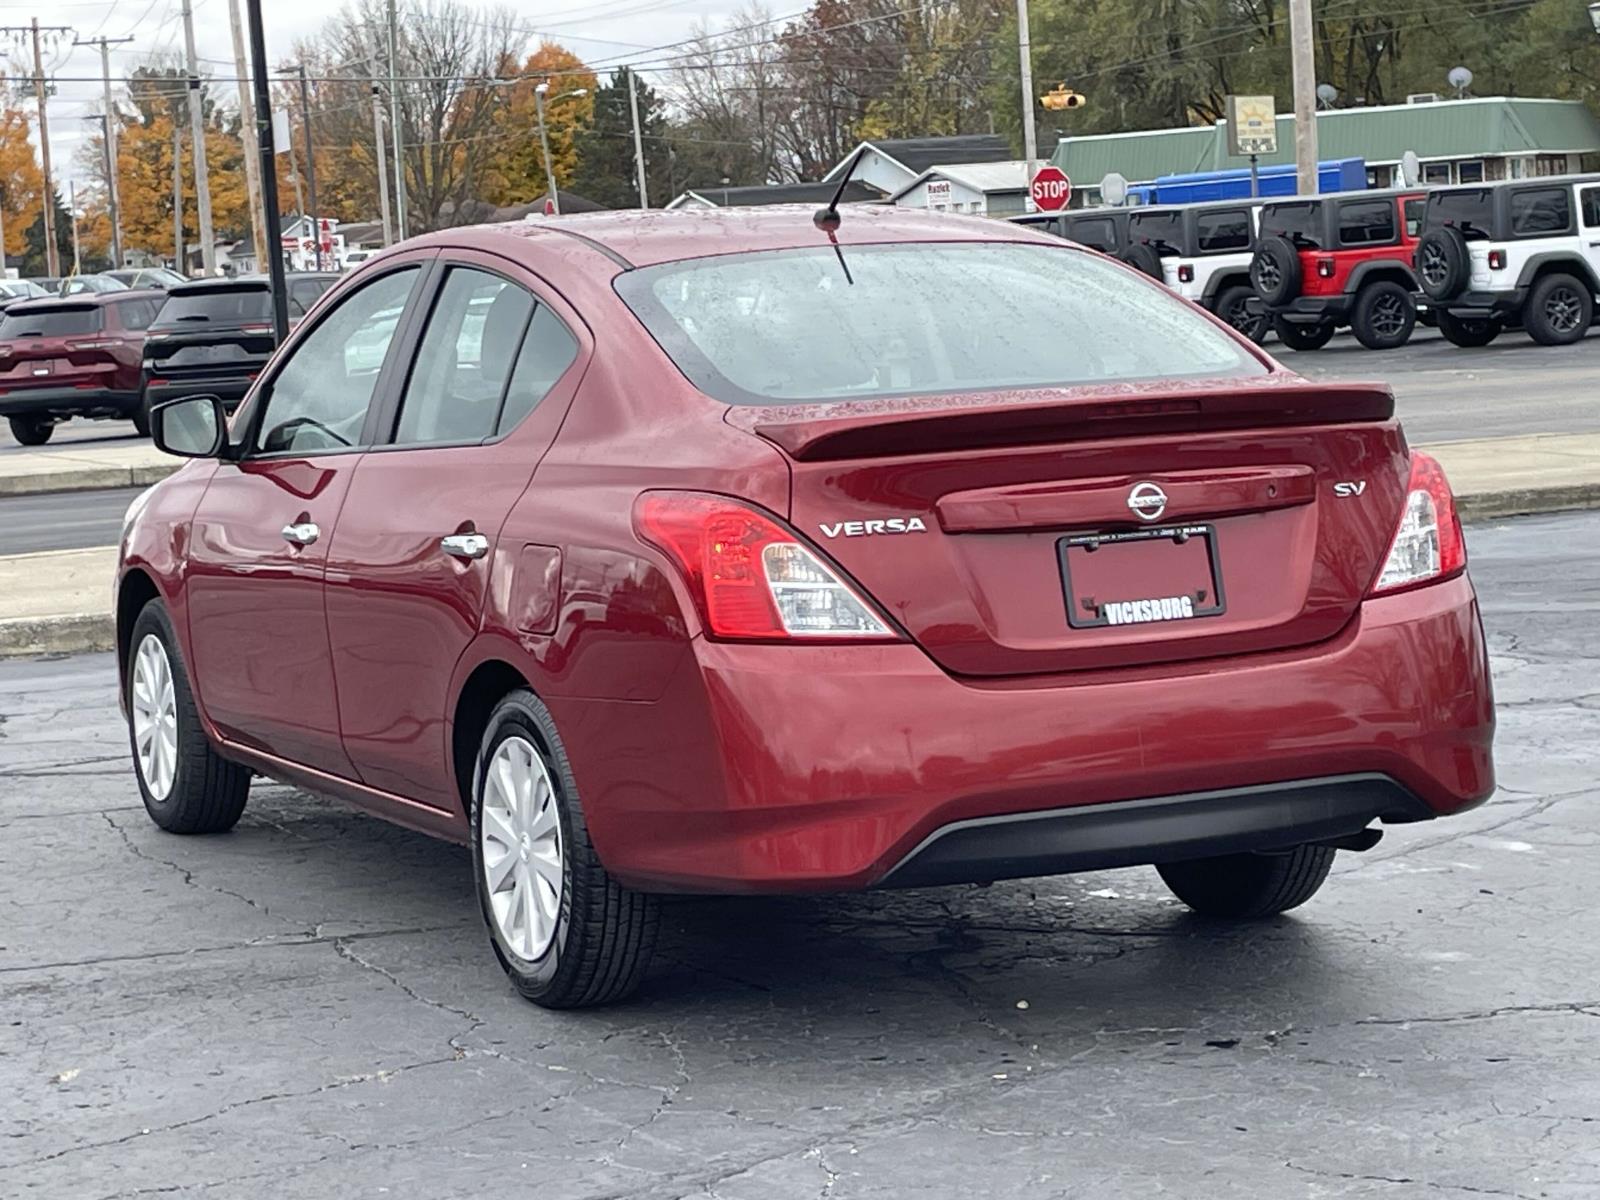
(307, 1006)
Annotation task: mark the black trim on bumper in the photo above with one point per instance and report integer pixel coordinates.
(1095, 837)
(1478, 305)
(1310, 310)
(67, 401)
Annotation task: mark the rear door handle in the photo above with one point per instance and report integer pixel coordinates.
(302, 533)
(465, 545)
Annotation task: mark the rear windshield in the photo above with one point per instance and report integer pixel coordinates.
(224, 306)
(1300, 223)
(50, 322)
(779, 327)
(1164, 231)
(1470, 211)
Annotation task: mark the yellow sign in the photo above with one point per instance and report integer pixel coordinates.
(1252, 125)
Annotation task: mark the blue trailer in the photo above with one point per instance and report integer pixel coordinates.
(1336, 175)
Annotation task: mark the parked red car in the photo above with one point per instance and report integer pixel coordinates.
(680, 552)
(78, 357)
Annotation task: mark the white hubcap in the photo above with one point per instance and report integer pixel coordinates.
(520, 839)
(155, 717)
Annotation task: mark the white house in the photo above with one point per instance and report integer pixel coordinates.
(891, 164)
(990, 189)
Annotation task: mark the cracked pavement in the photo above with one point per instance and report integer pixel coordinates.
(308, 1007)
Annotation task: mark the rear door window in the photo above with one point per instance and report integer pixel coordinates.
(1220, 232)
(548, 349)
(1591, 207)
(52, 322)
(1366, 222)
(1540, 212)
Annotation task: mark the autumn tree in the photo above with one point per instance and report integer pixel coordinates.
(21, 182)
(514, 171)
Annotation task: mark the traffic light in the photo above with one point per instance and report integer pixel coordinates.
(1062, 97)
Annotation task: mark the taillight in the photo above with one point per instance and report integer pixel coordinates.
(102, 344)
(1325, 268)
(1497, 260)
(752, 578)
(1185, 273)
(1428, 545)
(255, 329)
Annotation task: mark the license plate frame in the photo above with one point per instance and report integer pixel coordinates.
(1091, 541)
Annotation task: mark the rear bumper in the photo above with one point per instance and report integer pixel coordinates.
(1480, 305)
(1308, 310)
(231, 389)
(776, 768)
(68, 402)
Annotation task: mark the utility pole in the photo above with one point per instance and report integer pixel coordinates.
(269, 172)
(52, 255)
(1030, 141)
(1303, 59)
(179, 264)
(5, 272)
(113, 199)
(197, 134)
(383, 165)
(311, 163)
(638, 141)
(252, 167)
(400, 226)
(72, 214)
(539, 89)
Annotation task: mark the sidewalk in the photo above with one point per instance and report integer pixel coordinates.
(83, 467)
(60, 601)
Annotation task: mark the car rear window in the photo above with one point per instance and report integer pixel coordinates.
(1300, 223)
(1164, 231)
(780, 327)
(1541, 212)
(51, 322)
(215, 306)
(1471, 210)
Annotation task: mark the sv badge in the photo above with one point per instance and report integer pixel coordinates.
(1347, 490)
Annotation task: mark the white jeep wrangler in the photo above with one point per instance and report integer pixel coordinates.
(1524, 252)
(1202, 252)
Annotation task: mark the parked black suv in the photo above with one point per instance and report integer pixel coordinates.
(213, 336)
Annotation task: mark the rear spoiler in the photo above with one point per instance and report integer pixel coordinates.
(874, 429)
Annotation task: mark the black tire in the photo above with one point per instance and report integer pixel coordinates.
(208, 792)
(1232, 307)
(1142, 257)
(31, 431)
(1249, 885)
(1384, 316)
(1470, 332)
(1444, 268)
(605, 933)
(1302, 337)
(1559, 311)
(141, 416)
(1275, 270)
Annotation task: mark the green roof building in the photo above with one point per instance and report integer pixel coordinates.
(1458, 141)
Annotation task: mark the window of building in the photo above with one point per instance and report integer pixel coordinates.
(1436, 174)
(1470, 172)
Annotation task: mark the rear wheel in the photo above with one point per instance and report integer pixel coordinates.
(31, 431)
(1560, 310)
(1470, 332)
(1233, 306)
(567, 934)
(141, 416)
(1303, 337)
(1384, 316)
(1249, 885)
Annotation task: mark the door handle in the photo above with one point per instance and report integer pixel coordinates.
(302, 533)
(465, 545)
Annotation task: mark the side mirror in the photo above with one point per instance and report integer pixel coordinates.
(193, 427)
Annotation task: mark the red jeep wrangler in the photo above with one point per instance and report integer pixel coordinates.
(1323, 262)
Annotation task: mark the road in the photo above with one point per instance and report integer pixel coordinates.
(62, 520)
(308, 1007)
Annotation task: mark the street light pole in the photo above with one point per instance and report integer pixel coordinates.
(197, 134)
(383, 163)
(1030, 140)
(311, 164)
(638, 138)
(539, 89)
(1303, 60)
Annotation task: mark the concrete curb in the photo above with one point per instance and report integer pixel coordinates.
(85, 479)
(1528, 502)
(75, 633)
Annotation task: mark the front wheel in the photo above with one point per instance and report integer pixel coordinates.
(1468, 332)
(1384, 316)
(187, 786)
(1249, 885)
(567, 934)
(31, 431)
(1303, 337)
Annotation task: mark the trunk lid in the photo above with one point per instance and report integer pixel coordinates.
(998, 531)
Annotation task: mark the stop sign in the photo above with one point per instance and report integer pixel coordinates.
(1050, 189)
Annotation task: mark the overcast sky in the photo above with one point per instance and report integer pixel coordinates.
(607, 32)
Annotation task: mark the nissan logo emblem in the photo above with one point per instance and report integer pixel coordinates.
(1148, 501)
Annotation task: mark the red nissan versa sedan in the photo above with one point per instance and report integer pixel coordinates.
(663, 552)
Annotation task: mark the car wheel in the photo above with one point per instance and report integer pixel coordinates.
(187, 786)
(1275, 270)
(1560, 310)
(1384, 316)
(31, 431)
(1249, 885)
(1233, 306)
(1302, 337)
(1467, 331)
(1444, 267)
(1142, 257)
(141, 417)
(567, 934)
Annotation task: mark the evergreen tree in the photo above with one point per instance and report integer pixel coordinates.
(34, 261)
(605, 171)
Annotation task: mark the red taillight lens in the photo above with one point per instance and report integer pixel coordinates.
(1325, 268)
(1429, 545)
(1185, 274)
(1497, 260)
(752, 578)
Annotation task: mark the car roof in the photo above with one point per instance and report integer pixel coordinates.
(83, 300)
(243, 282)
(632, 238)
(1579, 179)
(1418, 193)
